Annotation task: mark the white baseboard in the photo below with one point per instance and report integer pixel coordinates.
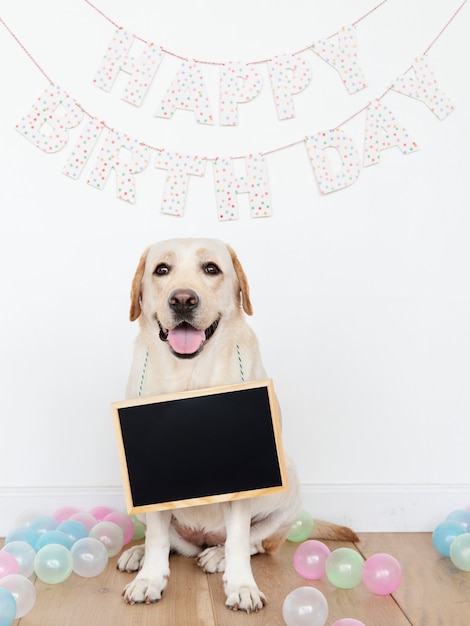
(365, 508)
(19, 505)
(385, 508)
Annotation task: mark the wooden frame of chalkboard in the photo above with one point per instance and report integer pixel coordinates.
(199, 447)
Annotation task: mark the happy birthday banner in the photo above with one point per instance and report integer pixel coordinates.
(55, 113)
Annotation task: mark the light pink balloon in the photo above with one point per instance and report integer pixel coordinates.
(348, 621)
(124, 522)
(382, 574)
(8, 564)
(310, 558)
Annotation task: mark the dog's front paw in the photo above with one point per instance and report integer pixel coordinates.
(144, 590)
(132, 559)
(212, 560)
(246, 598)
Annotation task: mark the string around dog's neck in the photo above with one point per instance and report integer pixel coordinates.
(144, 369)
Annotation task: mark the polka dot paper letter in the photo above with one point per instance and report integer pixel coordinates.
(423, 86)
(342, 56)
(188, 92)
(328, 179)
(239, 82)
(289, 75)
(142, 69)
(255, 183)
(382, 132)
(126, 157)
(180, 167)
(49, 119)
(78, 158)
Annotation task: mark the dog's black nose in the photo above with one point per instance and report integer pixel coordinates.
(183, 300)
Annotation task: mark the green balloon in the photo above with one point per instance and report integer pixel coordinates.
(460, 552)
(344, 568)
(53, 563)
(302, 528)
(139, 528)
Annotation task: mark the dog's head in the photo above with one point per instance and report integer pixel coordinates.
(185, 288)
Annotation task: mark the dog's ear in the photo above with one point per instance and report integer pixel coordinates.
(244, 290)
(136, 289)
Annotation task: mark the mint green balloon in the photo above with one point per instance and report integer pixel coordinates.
(460, 552)
(302, 527)
(139, 528)
(53, 563)
(344, 568)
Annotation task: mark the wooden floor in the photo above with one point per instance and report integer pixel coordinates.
(433, 593)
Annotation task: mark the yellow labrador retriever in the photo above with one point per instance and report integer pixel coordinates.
(191, 297)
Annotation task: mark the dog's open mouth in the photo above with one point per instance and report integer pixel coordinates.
(186, 341)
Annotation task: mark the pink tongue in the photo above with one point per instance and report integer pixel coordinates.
(186, 339)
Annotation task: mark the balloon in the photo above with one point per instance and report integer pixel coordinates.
(139, 528)
(64, 513)
(110, 535)
(22, 590)
(8, 564)
(24, 555)
(84, 518)
(310, 558)
(53, 536)
(305, 606)
(73, 530)
(302, 527)
(348, 621)
(344, 568)
(124, 522)
(24, 533)
(444, 534)
(7, 607)
(43, 523)
(53, 564)
(100, 512)
(90, 557)
(382, 574)
(462, 516)
(460, 552)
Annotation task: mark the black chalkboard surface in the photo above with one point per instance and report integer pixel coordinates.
(199, 447)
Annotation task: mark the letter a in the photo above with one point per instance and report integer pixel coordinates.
(382, 132)
(423, 86)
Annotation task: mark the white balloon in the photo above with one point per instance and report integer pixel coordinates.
(90, 557)
(22, 590)
(305, 606)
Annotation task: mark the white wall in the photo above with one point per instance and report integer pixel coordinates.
(361, 297)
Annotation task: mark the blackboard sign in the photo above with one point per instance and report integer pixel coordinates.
(198, 447)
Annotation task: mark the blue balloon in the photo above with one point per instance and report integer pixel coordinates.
(444, 534)
(462, 516)
(53, 536)
(73, 530)
(7, 607)
(24, 533)
(43, 523)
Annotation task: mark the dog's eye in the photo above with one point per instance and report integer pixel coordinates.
(212, 269)
(162, 269)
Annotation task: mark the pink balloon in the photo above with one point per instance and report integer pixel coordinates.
(8, 564)
(310, 558)
(124, 522)
(382, 574)
(100, 512)
(348, 621)
(64, 513)
(84, 518)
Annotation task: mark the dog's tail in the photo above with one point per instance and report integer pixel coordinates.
(333, 532)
